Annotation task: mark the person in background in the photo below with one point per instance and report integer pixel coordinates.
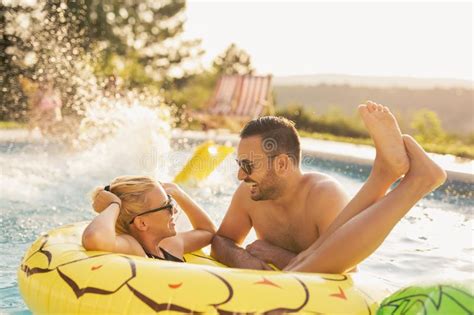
(44, 102)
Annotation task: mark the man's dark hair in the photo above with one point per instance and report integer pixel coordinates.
(278, 135)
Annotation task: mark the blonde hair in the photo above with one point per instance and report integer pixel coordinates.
(132, 192)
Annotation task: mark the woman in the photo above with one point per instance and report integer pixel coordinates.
(137, 217)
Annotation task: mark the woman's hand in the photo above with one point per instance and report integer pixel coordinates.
(197, 216)
(172, 189)
(104, 199)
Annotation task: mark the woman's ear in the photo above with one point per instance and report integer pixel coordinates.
(140, 224)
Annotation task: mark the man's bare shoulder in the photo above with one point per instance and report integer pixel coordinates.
(323, 188)
(243, 191)
(325, 199)
(242, 195)
(320, 181)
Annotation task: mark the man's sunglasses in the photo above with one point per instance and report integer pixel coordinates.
(248, 166)
(170, 206)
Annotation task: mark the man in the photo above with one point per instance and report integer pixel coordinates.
(294, 213)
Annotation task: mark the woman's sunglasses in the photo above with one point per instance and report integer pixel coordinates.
(170, 206)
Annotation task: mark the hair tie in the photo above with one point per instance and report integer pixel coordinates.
(107, 188)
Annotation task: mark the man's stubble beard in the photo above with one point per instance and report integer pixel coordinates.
(269, 189)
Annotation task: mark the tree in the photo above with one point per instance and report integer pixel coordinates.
(233, 61)
(55, 39)
(143, 35)
(196, 91)
(12, 100)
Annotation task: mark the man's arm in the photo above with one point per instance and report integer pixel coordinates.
(230, 254)
(270, 253)
(234, 228)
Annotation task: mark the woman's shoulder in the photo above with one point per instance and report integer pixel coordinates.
(127, 244)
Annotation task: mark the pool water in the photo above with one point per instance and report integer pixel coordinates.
(45, 185)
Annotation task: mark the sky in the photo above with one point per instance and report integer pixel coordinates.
(421, 39)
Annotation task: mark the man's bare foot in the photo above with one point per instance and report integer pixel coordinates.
(391, 158)
(424, 172)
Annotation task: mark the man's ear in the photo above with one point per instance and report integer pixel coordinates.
(283, 164)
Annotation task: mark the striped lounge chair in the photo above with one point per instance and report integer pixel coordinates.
(242, 96)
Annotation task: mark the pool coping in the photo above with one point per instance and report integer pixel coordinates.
(331, 150)
(323, 149)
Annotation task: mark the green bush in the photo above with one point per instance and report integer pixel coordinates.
(196, 93)
(11, 125)
(332, 122)
(427, 127)
(334, 126)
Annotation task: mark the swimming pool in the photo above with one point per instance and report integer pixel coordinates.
(44, 185)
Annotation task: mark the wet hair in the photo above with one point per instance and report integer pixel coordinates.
(278, 135)
(132, 191)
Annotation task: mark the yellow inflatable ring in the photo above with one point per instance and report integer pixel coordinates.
(57, 276)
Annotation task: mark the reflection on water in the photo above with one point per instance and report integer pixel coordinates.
(45, 185)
